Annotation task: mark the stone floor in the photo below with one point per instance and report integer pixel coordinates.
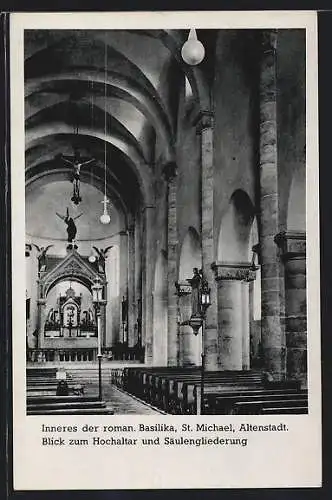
(121, 402)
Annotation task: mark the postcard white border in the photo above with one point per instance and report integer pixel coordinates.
(292, 459)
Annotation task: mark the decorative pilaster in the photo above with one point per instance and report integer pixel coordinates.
(293, 248)
(187, 340)
(123, 236)
(131, 286)
(233, 313)
(169, 172)
(273, 335)
(204, 123)
(138, 280)
(148, 214)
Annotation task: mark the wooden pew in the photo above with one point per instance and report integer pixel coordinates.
(221, 401)
(278, 405)
(214, 385)
(289, 410)
(162, 386)
(54, 405)
(59, 399)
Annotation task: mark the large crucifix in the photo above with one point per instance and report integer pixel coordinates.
(77, 162)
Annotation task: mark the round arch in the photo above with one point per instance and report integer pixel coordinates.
(190, 254)
(82, 279)
(135, 162)
(296, 210)
(235, 229)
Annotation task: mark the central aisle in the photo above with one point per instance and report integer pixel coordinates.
(121, 402)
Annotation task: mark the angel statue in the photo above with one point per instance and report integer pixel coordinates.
(71, 226)
(77, 162)
(42, 256)
(102, 255)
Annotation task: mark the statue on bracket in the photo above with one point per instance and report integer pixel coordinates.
(102, 255)
(77, 162)
(71, 227)
(195, 283)
(42, 256)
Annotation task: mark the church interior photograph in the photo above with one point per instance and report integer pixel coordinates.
(165, 221)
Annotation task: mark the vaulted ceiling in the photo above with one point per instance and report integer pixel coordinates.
(110, 94)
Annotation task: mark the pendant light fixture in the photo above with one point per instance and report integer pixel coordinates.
(193, 51)
(92, 257)
(105, 217)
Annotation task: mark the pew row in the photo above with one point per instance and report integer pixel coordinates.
(175, 390)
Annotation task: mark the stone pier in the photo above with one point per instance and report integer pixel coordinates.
(169, 171)
(293, 247)
(273, 332)
(204, 125)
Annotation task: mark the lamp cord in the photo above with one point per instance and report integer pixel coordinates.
(105, 124)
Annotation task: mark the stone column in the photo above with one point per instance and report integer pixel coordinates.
(147, 314)
(169, 171)
(187, 339)
(233, 313)
(273, 333)
(293, 247)
(131, 285)
(204, 124)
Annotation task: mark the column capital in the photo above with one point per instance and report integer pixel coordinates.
(131, 228)
(269, 40)
(28, 248)
(203, 120)
(41, 302)
(183, 288)
(241, 271)
(169, 171)
(292, 244)
(147, 207)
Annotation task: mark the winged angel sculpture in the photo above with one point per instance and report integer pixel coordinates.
(102, 255)
(42, 251)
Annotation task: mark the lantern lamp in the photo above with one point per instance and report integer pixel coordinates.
(97, 291)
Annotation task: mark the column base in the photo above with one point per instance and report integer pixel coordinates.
(275, 363)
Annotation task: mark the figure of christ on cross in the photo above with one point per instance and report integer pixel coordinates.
(77, 163)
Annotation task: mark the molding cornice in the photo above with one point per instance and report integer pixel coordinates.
(292, 244)
(183, 288)
(169, 171)
(204, 120)
(241, 271)
(269, 41)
